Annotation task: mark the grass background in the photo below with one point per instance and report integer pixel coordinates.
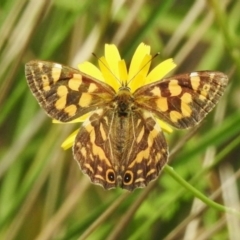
(43, 194)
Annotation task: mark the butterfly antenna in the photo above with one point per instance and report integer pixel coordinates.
(144, 66)
(99, 59)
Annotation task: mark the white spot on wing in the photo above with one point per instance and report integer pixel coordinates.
(194, 74)
(57, 65)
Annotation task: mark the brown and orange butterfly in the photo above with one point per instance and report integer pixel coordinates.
(121, 143)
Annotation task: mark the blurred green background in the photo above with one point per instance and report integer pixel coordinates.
(43, 194)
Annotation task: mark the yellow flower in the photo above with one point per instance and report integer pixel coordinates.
(113, 71)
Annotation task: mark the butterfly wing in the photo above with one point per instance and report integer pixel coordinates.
(121, 151)
(183, 100)
(64, 92)
(93, 148)
(146, 152)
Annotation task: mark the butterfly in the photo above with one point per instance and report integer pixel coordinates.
(121, 142)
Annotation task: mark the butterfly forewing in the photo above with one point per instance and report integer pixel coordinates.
(183, 100)
(64, 92)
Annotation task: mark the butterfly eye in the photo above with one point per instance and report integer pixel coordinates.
(128, 177)
(110, 175)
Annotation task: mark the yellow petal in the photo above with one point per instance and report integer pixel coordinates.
(141, 51)
(70, 140)
(55, 121)
(160, 70)
(112, 57)
(109, 77)
(139, 79)
(91, 70)
(165, 127)
(123, 71)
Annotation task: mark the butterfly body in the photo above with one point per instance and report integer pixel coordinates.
(122, 143)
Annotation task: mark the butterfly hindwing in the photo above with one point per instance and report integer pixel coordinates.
(93, 149)
(146, 153)
(183, 100)
(114, 151)
(64, 92)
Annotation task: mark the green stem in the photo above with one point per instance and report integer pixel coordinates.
(198, 194)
